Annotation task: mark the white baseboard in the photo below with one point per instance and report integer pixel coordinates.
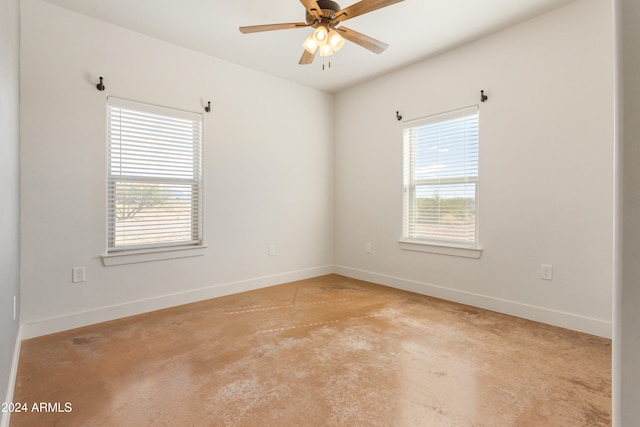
(6, 416)
(539, 314)
(104, 314)
(574, 322)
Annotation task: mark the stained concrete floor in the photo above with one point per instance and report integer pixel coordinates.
(329, 351)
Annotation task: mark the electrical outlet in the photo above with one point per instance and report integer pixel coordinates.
(77, 274)
(272, 250)
(546, 272)
(367, 247)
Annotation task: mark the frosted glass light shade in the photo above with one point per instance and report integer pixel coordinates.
(326, 50)
(336, 41)
(310, 45)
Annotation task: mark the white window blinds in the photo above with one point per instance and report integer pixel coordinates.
(441, 178)
(155, 176)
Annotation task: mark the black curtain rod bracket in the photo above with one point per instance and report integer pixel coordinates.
(100, 86)
(208, 107)
(483, 97)
(398, 115)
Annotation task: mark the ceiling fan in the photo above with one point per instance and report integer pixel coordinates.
(329, 36)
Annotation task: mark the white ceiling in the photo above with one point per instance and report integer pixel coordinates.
(414, 30)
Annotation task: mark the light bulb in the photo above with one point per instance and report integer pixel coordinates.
(320, 35)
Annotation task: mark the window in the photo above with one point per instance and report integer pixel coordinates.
(155, 177)
(441, 179)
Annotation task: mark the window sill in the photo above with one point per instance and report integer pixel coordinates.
(442, 249)
(149, 255)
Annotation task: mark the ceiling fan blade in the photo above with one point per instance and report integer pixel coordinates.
(367, 42)
(312, 7)
(362, 7)
(307, 58)
(272, 27)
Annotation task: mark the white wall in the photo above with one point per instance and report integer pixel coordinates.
(10, 188)
(546, 170)
(267, 178)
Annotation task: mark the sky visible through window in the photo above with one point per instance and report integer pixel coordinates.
(445, 150)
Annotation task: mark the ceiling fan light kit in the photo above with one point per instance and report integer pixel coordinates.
(329, 42)
(328, 37)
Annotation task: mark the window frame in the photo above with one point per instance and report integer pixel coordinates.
(437, 244)
(125, 254)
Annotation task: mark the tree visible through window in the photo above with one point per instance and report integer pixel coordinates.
(154, 184)
(441, 178)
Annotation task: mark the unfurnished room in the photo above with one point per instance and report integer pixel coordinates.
(279, 213)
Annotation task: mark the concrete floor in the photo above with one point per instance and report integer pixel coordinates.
(329, 351)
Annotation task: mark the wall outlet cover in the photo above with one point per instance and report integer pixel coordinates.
(77, 274)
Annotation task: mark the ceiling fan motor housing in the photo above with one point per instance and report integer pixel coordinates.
(329, 9)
